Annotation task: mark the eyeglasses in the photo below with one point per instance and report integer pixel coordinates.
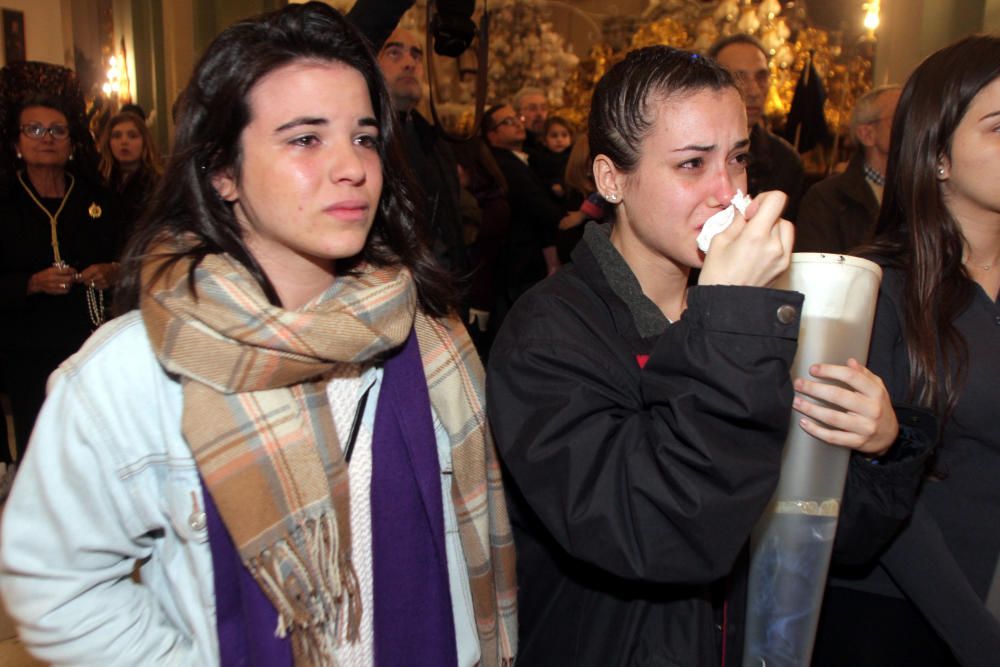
(38, 131)
(509, 120)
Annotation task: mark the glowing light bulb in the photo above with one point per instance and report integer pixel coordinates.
(871, 20)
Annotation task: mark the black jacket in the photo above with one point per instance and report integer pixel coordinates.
(838, 213)
(639, 454)
(534, 219)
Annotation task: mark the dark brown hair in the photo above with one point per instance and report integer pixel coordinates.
(620, 116)
(917, 232)
(213, 111)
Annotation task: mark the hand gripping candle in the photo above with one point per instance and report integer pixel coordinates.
(791, 545)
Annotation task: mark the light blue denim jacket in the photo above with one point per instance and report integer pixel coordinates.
(108, 480)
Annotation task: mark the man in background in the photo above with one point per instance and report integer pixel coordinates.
(401, 59)
(532, 106)
(774, 164)
(840, 212)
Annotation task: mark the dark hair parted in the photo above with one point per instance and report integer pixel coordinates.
(212, 113)
(620, 113)
(917, 232)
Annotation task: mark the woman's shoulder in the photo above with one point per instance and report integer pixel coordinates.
(562, 307)
(117, 357)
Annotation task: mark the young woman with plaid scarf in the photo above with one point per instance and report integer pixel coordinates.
(286, 430)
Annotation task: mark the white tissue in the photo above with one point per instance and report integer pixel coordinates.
(720, 222)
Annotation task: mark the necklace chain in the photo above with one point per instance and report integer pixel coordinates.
(95, 297)
(53, 218)
(95, 305)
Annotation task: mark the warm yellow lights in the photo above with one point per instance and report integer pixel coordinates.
(116, 79)
(871, 20)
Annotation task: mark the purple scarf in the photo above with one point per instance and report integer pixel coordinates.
(413, 613)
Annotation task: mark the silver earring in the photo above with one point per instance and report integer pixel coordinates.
(612, 197)
(70, 156)
(940, 171)
(19, 155)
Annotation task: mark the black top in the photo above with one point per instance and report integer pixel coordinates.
(962, 498)
(133, 197)
(88, 229)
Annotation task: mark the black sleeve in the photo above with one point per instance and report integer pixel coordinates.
(922, 565)
(653, 475)
(879, 495)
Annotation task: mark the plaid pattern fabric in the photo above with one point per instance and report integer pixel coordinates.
(259, 424)
(456, 381)
(873, 176)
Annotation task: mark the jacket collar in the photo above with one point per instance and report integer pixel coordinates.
(605, 270)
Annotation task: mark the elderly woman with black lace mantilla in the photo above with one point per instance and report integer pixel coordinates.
(56, 251)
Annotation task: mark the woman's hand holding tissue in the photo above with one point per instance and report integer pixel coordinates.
(755, 249)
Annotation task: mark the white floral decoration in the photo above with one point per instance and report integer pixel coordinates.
(525, 51)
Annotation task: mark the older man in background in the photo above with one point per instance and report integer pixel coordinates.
(532, 107)
(840, 212)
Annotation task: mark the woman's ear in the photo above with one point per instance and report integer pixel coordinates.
(607, 178)
(225, 184)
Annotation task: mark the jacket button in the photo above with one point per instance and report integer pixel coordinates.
(197, 521)
(787, 314)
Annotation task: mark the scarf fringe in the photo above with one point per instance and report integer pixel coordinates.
(317, 597)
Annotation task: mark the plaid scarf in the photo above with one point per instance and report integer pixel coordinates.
(259, 424)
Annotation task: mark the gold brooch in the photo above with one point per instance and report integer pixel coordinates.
(94, 210)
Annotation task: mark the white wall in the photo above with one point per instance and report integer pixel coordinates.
(43, 28)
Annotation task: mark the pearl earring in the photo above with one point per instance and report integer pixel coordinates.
(19, 155)
(940, 171)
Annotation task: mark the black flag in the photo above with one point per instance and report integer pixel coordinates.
(806, 125)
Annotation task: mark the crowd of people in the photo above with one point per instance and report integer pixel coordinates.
(285, 449)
